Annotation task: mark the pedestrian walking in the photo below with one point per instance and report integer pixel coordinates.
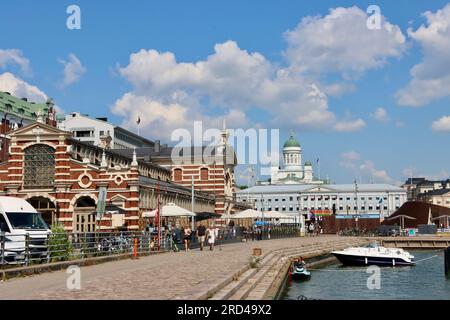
(212, 234)
(311, 229)
(187, 237)
(201, 234)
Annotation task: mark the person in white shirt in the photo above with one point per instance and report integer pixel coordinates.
(212, 234)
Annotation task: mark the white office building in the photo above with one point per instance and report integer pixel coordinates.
(101, 133)
(382, 199)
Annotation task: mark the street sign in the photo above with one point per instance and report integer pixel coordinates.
(101, 204)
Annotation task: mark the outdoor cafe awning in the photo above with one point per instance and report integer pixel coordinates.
(169, 210)
(254, 214)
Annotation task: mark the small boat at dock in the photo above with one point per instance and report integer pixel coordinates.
(299, 272)
(373, 254)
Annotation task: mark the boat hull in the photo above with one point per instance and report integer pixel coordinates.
(354, 260)
(300, 276)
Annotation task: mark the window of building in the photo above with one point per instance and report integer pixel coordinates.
(83, 134)
(291, 198)
(370, 207)
(39, 166)
(204, 174)
(341, 208)
(178, 174)
(385, 208)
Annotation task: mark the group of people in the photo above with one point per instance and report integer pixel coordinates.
(202, 233)
(314, 229)
(256, 232)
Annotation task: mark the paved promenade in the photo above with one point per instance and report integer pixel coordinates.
(164, 276)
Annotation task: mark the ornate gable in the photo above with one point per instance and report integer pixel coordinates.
(38, 132)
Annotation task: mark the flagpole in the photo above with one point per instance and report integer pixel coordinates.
(318, 164)
(138, 122)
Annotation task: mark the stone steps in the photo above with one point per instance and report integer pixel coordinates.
(243, 289)
(259, 283)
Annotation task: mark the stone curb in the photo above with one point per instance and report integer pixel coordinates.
(6, 274)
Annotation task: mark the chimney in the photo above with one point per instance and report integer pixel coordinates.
(157, 147)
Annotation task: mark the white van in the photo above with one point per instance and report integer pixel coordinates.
(19, 221)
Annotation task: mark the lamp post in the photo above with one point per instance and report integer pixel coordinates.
(299, 213)
(262, 213)
(356, 203)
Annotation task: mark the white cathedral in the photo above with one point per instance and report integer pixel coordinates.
(293, 172)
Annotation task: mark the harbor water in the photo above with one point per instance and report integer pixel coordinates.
(424, 281)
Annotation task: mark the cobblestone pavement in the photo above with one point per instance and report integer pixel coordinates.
(163, 276)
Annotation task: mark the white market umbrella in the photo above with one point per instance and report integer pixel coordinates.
(246, 214)
(170, 210)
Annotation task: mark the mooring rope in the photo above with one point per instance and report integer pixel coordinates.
(427, 258)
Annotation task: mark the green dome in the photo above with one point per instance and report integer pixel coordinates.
(307, 163)
(292, 142)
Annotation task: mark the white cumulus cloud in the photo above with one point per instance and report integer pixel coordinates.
(19, 88)
(381, 115)
(22, 89)
(351, 156)
(351, 160)
(14, 57)
(350, 125)
(442, 124)
(73, 70)
(341, 42)
(230, 79)
(431, 77)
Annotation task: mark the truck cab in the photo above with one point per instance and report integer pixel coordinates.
(23, 233)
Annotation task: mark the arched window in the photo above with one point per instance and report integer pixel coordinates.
(204, 174)
(177, 174)
(39, 166)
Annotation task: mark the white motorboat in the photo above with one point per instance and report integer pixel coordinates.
(373, 254)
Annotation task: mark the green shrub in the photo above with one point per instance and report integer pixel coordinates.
(60, 246)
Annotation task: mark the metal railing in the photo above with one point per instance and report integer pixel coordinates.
(45, 247)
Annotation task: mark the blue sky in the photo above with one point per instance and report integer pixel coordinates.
(342, 129)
